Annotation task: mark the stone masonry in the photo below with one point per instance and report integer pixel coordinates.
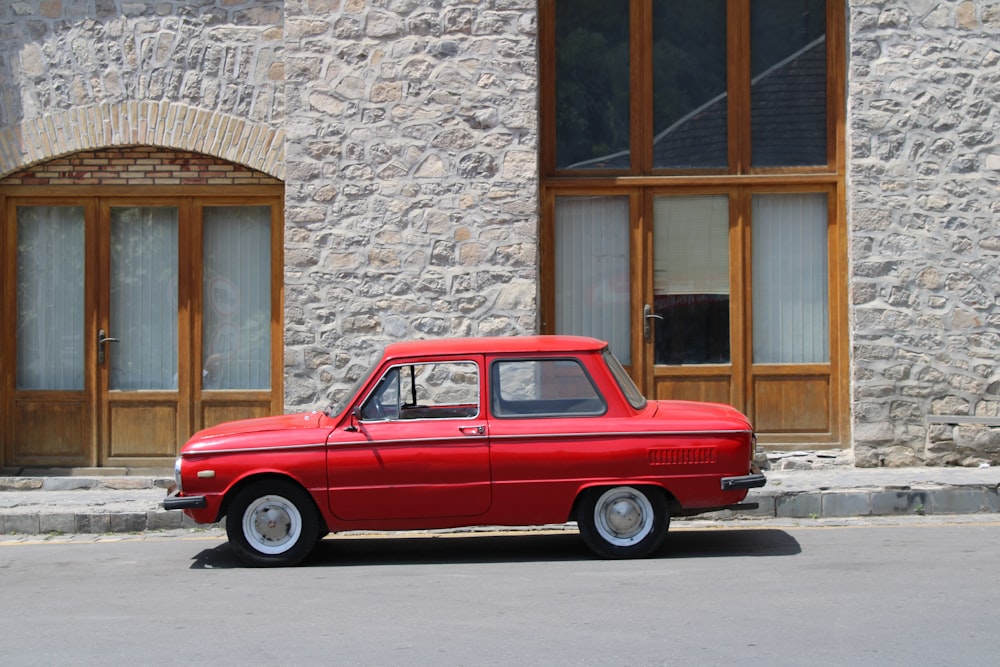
(412, 185)
(924, 180)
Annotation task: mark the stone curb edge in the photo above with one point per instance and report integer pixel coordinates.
(848, 503)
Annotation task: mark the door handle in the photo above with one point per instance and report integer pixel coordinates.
(647, 315)
(101, 340)
(473, 430)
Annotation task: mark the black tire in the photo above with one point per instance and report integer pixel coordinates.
(623, 521)
(272, 523)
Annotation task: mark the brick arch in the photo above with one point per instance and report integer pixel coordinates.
(163, 124)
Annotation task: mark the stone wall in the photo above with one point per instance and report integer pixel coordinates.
(924, 175)
(412, 185)
(89, 74)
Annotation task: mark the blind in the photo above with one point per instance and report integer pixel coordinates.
(691, 245)
(592, 270)
(791, 321)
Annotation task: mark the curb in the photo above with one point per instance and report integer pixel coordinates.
(79, 505)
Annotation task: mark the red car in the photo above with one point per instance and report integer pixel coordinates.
(489, 431)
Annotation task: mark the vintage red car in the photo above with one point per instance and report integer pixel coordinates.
(514, 431)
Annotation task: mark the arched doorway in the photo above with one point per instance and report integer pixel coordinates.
(142, 288)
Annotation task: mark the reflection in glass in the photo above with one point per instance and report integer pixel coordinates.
(690, 103)
(788, 82)
(592, 84)
(236, 285)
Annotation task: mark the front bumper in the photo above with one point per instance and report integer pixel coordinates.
(175, 501)
(743, 482)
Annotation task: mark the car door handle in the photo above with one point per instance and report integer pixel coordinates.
(473, 430)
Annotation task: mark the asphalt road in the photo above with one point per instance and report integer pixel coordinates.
(921, 592)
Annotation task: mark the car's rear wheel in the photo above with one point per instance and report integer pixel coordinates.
(272, 523)
(623, 521)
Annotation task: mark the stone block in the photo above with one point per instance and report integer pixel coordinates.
(164, 520)
(958, 501)
(21, 523)
(93, 523)
(128, 522)
(20, 483)
(57, 523)
(798, 506)
(846, 504)
(905, 501)
(68, 483)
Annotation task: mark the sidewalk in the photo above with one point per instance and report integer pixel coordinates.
(131, 504)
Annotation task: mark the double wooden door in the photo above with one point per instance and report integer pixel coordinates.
(122, 332)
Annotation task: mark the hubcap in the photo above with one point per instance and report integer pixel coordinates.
(272, 524)
(623, 516)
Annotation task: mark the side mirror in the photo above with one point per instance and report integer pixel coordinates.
(355, 415)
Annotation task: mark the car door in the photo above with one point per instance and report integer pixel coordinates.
(417, 448)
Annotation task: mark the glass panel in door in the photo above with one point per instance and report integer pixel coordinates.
(141, 343)
(236, 297)
(144, 298)
(592, 288)
(691, 279)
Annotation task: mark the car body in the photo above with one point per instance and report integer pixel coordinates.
(516, 431)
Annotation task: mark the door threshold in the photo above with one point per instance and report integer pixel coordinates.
(114, 471)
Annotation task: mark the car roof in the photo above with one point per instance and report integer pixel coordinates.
(494, 345)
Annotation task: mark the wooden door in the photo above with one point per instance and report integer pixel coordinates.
(48, 333)
(141, 349)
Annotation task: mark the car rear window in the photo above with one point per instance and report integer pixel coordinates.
(543, 388)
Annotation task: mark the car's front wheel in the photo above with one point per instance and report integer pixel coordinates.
(623, 521)
(272, 523)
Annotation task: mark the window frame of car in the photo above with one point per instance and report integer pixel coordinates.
(395, 371)
(496, 401)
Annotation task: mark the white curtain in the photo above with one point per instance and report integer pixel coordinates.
(592, 270)
(50, 284)
(790, 286)
(237, 297)
(143, 298)
(691, 245)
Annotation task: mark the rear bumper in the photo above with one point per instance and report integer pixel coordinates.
(175, 501)
(743, 482)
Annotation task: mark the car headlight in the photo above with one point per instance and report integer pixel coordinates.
(177, 474)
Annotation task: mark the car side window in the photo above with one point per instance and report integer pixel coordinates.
(439, 390)
(543, 388)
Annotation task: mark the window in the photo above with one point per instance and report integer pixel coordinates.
(445, 390)
(543, 388)
(710, 86)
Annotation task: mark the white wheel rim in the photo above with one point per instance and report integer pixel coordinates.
(623, 516)
(272, 524)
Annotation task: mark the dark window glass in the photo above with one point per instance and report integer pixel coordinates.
(592, 84)
(690, 103)
(788, 82)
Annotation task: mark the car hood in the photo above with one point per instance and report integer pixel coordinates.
(699, 416)
(263, 431)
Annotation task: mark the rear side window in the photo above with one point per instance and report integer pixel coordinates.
(543, 388)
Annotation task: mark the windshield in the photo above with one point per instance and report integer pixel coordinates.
(632, 394)
(342, 398)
